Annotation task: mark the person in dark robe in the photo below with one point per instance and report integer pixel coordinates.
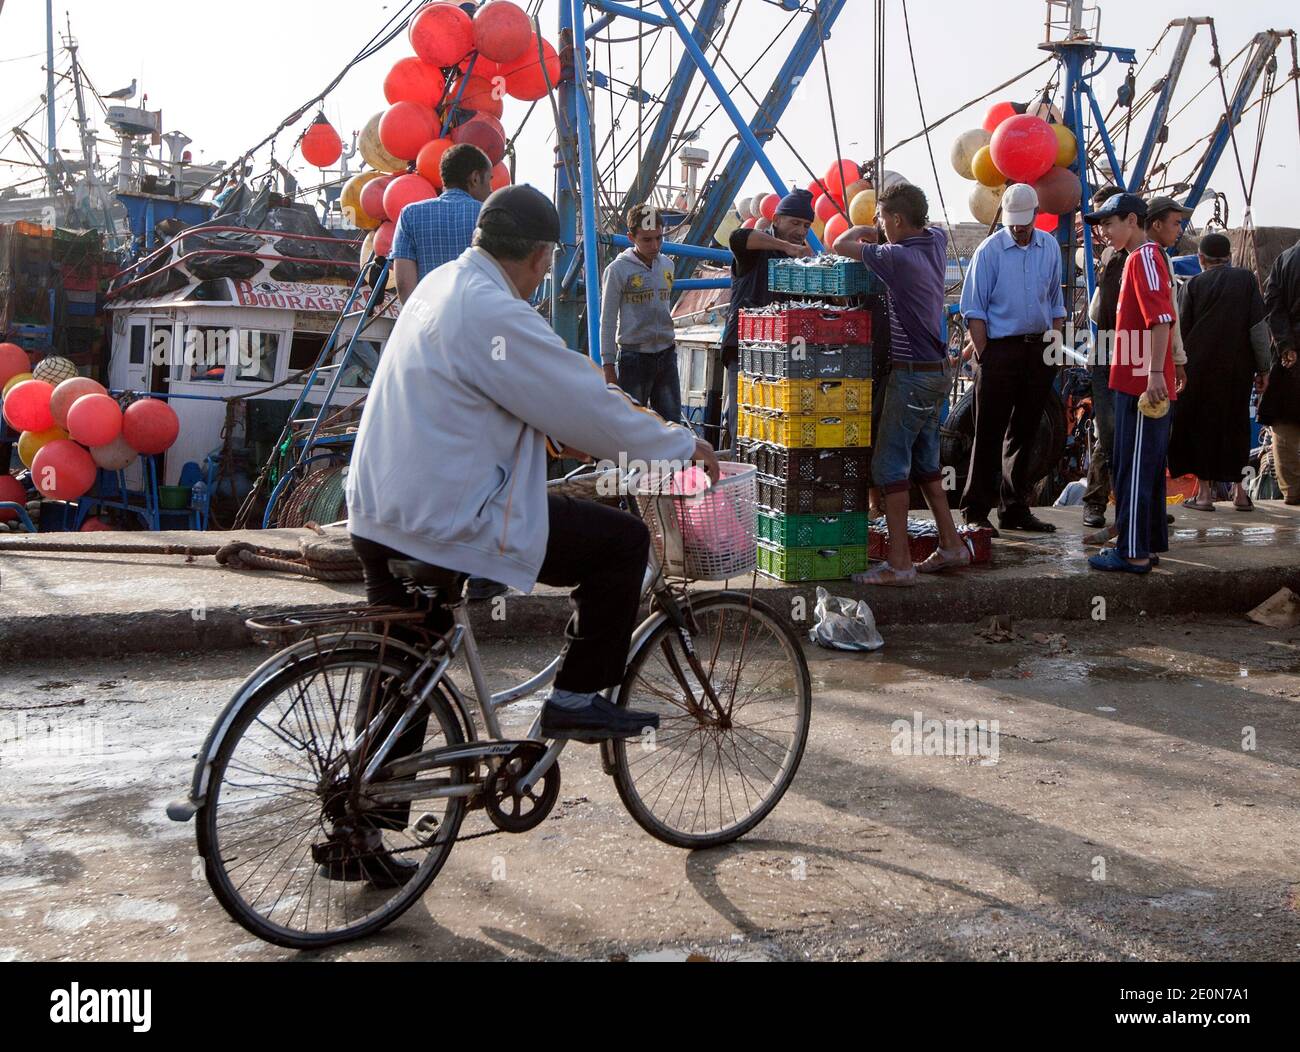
(1279, 408)
(1225, 335)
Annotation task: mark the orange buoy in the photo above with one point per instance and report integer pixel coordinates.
(825, 207)
(405, 128)
(526, 77)
(429, 161)
(321, 144)
(768, 208)
(413, 80)
(838, 176)
(441, 34)
(999, 112)
(500, 176)
(63, 470)
(481, 95)
(835, 226)
(502, 32)
(150, 426)
(406, 190)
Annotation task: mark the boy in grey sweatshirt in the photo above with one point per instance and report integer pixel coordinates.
(636, 329)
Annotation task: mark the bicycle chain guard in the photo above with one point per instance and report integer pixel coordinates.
(510, 809)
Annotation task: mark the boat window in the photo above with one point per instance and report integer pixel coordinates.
(207, 350)
(138, 343)
(360, 371)
(258, 355)
(304, 350)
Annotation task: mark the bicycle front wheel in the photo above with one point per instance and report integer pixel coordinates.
(712, 772)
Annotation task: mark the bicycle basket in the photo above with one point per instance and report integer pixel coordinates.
(709, 536)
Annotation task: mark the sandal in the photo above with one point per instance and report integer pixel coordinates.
(1209, 506)
(886, 575)
(1249, 506)
(941, 559)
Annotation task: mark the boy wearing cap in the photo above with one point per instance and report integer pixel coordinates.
(637, 340)
(751, 249)
(1141, 375)
(1011, 300)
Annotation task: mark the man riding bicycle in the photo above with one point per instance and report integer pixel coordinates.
(450, 460)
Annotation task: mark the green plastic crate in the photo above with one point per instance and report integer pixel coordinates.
(811, 564)
(813, 531)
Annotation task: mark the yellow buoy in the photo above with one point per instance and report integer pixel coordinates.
(964, 148)
(862, 209)
(984, 170)
(373, 152)
(819, 229)
(729, 225)
(30, 442)
(1067, 149)
(350, 201)
(14, 381)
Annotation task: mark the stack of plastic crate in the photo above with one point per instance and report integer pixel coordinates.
(805, 419)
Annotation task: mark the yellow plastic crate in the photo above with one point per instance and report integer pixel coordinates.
(806, 430)
(819, 397)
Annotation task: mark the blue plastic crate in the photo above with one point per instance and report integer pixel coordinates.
(844, 277)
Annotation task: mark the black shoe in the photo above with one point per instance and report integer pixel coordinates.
(981, 523)
(598, 720)
(1169, 519)
(1094, 518)
(481, 589)
(353, 859)
(1026, 523)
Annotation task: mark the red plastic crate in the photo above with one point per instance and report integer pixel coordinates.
(825, 325)
(921, 548)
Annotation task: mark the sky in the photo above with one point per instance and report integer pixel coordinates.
(227, 74)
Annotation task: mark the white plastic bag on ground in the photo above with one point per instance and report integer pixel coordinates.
(844, 624)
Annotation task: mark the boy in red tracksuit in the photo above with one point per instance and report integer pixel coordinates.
(1142, 363)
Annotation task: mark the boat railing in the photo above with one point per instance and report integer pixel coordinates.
(275, 257)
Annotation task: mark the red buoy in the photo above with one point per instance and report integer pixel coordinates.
(63, 470)
(95, 420)
(500, 176)
(13, 360)
(1024, 148)
(501, 31)
(150, 426)
(27, 406)
(838, 176)
(321, 144)
(413, 80)
(384, 238)
(484, 132)
(11, 492)
(481, 95)
(441, 34)
(372, 197)
(406, 190)
(405, 128)
(999, 112)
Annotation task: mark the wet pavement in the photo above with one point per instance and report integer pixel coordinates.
(1142, 803)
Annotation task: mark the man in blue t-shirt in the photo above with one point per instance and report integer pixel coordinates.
(912, 265)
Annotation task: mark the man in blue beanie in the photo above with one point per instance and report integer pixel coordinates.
(751, 249)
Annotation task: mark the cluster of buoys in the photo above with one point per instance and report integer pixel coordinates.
(451, 90)
(842, 198)
(70, 427)
(1017, 145)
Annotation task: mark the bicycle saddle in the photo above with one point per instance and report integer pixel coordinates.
(449, 583)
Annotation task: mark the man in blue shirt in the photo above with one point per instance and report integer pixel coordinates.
(1011, 300)
(912, 265)
(431, 233)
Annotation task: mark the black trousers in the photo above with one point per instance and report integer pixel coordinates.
(1012, 382)
(598, 551)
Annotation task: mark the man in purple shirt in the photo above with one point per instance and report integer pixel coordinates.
(912, 265)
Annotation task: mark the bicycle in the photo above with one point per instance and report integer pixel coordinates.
(306, 778)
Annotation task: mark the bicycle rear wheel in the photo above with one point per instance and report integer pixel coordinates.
(706, 778)
(289, 837)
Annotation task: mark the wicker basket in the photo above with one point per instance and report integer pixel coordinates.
(710, 536)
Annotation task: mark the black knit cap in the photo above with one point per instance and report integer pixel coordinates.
(1215, 246)
(520, 211)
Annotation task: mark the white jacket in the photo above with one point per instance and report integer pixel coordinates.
(450, 461)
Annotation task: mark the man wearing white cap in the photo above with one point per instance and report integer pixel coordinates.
(1011, 301)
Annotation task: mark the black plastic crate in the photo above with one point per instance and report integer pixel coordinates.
(809, 362)
(811, 498)
(808, 465)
